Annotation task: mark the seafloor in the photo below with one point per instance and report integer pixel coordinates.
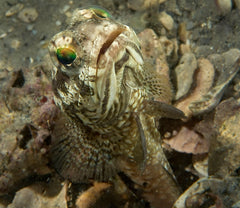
(196, 43)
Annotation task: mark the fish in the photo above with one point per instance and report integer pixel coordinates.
(110, 99)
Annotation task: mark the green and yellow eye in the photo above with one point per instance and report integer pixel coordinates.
(66, 55)
(100, 12)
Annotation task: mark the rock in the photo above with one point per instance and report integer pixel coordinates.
(211, 192)
(236, 205)
(23, 145)
(224, 155)
(184, 74)
(28, 15)
(14, 9)
(166, 20)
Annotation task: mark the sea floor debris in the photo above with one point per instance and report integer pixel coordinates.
(195, 43)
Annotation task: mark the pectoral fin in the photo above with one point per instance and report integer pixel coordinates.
(79, 154)
(157, 85)
(163, 110)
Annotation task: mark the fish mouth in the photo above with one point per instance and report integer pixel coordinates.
(106, 45)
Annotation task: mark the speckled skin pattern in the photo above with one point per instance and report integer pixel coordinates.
(106, 95)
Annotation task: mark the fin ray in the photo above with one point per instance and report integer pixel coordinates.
(78, 153)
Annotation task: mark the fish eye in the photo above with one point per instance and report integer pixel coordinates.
(66, 55)
(100, 12)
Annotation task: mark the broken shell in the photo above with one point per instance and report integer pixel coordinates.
(210, 86)
(203, 83)
(188, 141)
(184, 74)
(228, 69)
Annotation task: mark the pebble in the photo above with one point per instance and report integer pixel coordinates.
(200, 164)
(166, 20)
(3, 74)
(30, 27)
(182, 32)
(161, 1)
(28, 15)
(15, 44)
(184, 48)
(58, 23)
(10, 29)
(139, 5)
(135, 4)
(237, 3)
(34, 32)
(237, 86)
(14, 9)
(65, 9)
(3, 35)
(224, 6)
(203, 51)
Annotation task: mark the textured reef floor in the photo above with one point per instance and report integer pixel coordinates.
(195, 43)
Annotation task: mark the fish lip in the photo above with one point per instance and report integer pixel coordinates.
(110, 39)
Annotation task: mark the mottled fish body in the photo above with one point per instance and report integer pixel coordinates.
(106, 93)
